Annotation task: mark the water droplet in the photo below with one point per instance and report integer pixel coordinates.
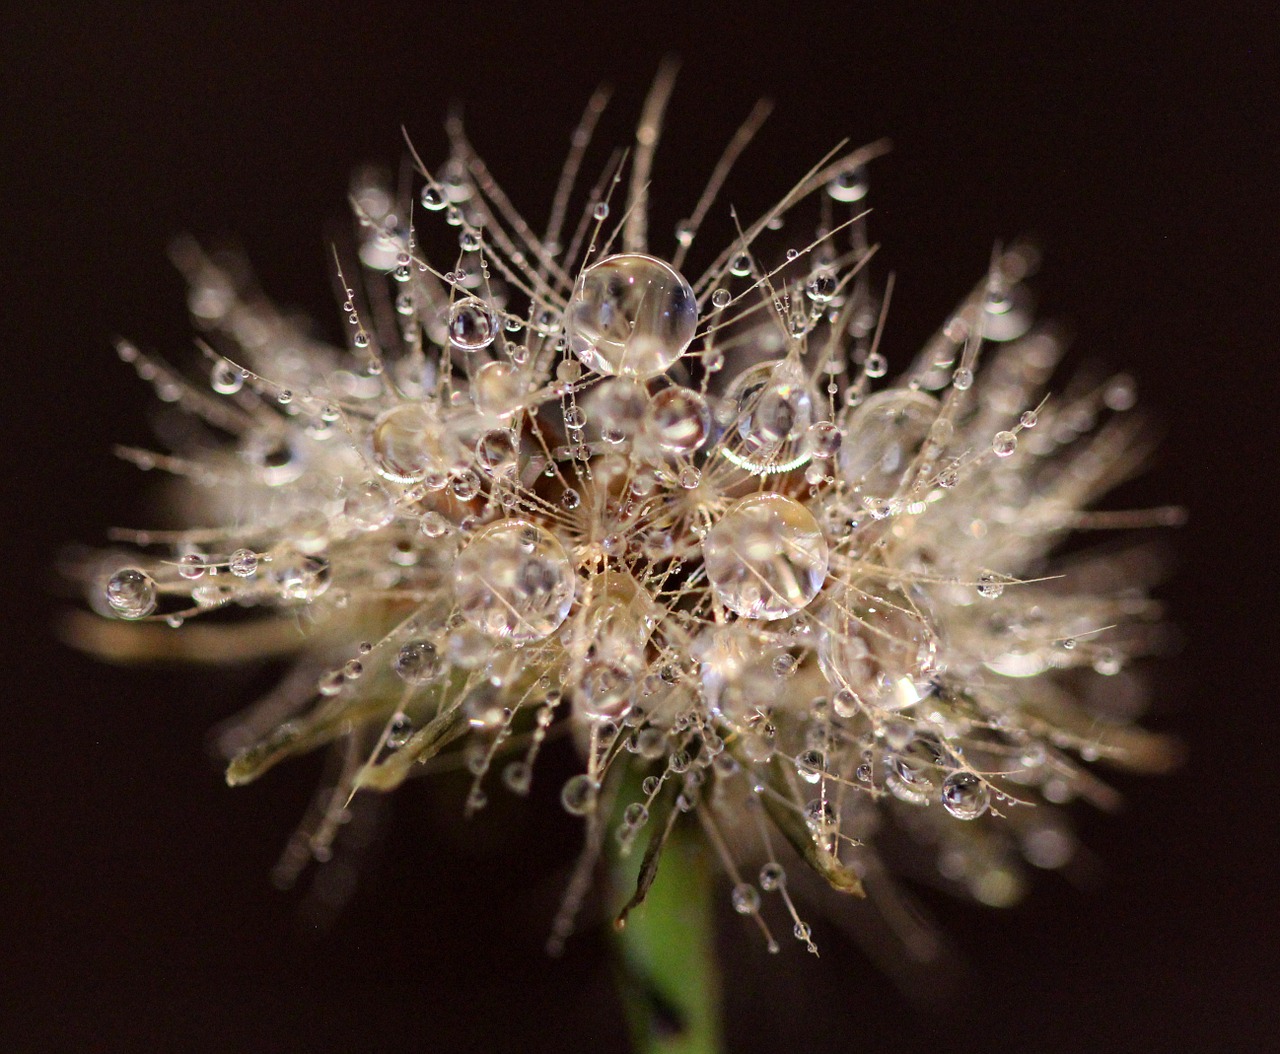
(513, 580)
(417, 662)
(497, 451)
(990, 585)
(964, 795)
(721, 299)
(822, 440)
(579, 794)
(1004, 444)
(432, 199)
(601, 210)
(243, 563)
(471, 324)
(882, 438)
(399, 732)
(225, 379)
(498, 388)
(773, 406)
(772, 876)
(962, 379)
(1029, 419)
(678, 419)
(632, 314)
(809, 765)
(822, 287)
(191, 565)
(745, 898)
(469, 240)
(369, 507)
(409, 441)
(131, 593)
(635, 815)
(766, 558)
(850, 185)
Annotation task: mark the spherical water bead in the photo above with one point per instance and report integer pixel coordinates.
(498, 389)
(497, 452)
(579, 794)
(369, 507)
(964, 795)
(1004, 444)
(417, 662)
(632, 314)
(883, 436)
(600, 211)
(432, 199)
(772, 405)
(990, 585)
(766, 558)
(131, 593)
(962, 379)
(514, 581)
(822, 440)
(472, 325)
(850, 185)
(914, 770)
(226, 379)
(809, 765)
(678, 419)
(301, 576)
(772, 876)
(721, 299)
(243, 563)
(878, 649)
(740, 265)
(619, 405)
(191, 565)
(1007, 315)
(822, 287)
(745, 898)
(606, 690)
(409, 442)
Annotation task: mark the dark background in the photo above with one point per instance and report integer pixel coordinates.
(1137, 141)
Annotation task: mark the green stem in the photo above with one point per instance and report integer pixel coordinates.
(665, 959)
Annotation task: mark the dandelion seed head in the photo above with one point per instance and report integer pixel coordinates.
(563, 479)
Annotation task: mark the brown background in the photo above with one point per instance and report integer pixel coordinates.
(1139, 145)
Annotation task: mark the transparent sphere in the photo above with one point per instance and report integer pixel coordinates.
(678, 419)
(409, 442)
(498, 389)
(514, 581)
(766, 558)
(632, 314)
(772, 408)
(876, 649)
(883, 436)
(131, 593)
(472, 325)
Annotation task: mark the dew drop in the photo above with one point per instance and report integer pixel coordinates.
(417, 662)
(471, 324)
(632, 314)
(964, 795)
(766, 558)
(1004, 444)
(745, 898)
(243, 563)
(131, 593)
(514, 581)
(579, 794)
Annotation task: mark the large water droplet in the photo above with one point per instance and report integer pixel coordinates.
(964, 796)
(131, 593)
(772, 408)
(409, 442)
(472, 325)
(766, 558)
(632, 314)
(513, 580)
(883, 436)
(417, 662)
(678, 420)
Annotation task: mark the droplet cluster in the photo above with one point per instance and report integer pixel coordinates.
(566, 482)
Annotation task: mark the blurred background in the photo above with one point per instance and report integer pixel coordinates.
(1138, 144)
